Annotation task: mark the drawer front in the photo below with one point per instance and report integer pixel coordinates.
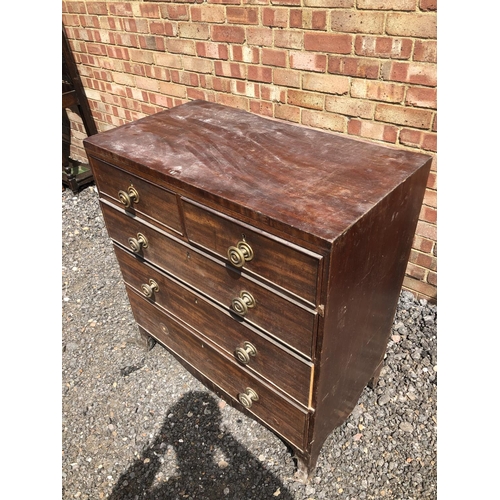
(278, 366)
(155, 204)
(282, 415)
(286, 320)
(282, 263)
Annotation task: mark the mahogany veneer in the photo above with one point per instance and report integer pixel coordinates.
(267, 257)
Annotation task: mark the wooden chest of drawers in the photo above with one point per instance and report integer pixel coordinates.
(267, 257)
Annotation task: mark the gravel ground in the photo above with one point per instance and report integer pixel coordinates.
(137, 425)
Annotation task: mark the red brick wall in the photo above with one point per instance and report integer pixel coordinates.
(364, 68)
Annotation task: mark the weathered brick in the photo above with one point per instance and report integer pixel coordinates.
(423, 97)
(151, 42)
(285, 2)
(96, 48)
(169, 60)
(232, 34)
(124, 39)
(242, 15)
(377, 90)
(260, 74)
(272, 93)
(357, 21)
(308, 19)
(354, 66)
(432, 278)
(147, 83)
(330, 84)
(157, 72)
(428, 214)
(89, 21)
(411, 117)
(286, 77)
(230, 69)
(417, 73)
(172, 89)
(117, 52)
(233, 101)
(286, 112)
(135, 25)
(248, 89)
(420, 289)
(372, 130)
(289, 39)
(211, 50)
(308, 61)
(414, 25)
(428, 4)
(163, 28)
(425, 51)
(273, 57)
(244, 53)
(426, 230)
(196, 31)
(120, 9)
(195, 94)
(261, 108)
(134, 68)
(259, 36)
(197, 65)
(423, 244)
(328, 42)
(160, 100)
(98, 8)
(184, 78)
(305, 99)
(148, 9)
(409, 5)
(329, 3)
(208, 13)
(275, 17)
(383, 46)
(349, 106)
(418, 139)
(323, 120)
(177, 12)
(178, 46)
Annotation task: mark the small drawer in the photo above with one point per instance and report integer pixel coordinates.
(288, 266)
(137, 196)
(282, 415)
(277, 365)
(290, 322)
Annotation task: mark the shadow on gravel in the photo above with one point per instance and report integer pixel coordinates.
(211, 464)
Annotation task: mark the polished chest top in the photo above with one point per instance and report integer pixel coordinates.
(266, 256)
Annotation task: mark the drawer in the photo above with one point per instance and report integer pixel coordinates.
(287, 265)
(277, 365)
(155, 204)
(282, 415)
(280, 317)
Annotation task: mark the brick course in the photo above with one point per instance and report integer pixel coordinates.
(365, 68)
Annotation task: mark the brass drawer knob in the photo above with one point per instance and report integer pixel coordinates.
(240, 305)
(240, 254)
(148, 289)
(137, 244)
(243, 353)
(248, 397)
(128, 197)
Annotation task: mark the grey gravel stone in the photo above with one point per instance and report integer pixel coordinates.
(136, 425)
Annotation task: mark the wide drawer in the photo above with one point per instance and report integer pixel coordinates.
(150, 202)
(289, 266)
(282, 415)
(277, 365)
(282, 318)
